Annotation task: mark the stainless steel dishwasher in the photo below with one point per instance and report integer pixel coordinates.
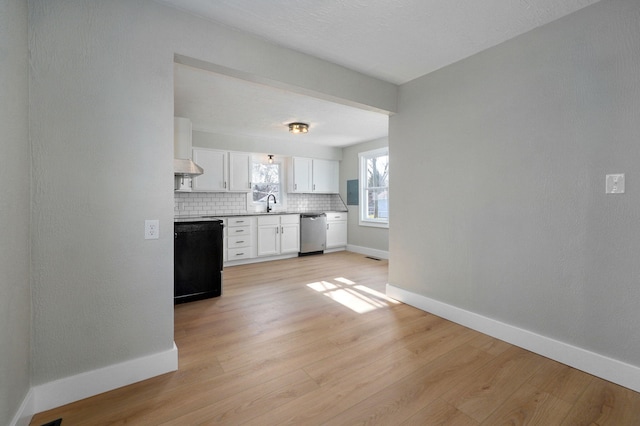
(313, 233)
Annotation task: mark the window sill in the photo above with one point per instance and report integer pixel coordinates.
(373, 224)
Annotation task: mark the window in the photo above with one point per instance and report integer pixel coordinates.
(265, 181)
(374, 188)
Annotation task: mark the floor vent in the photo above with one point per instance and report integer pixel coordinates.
(54, 423)
(372, 258)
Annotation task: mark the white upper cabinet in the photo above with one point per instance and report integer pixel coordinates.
(214, 164)
(239, 171)
(223, 170)
(300, 178)
(325, 176)
(310, 175)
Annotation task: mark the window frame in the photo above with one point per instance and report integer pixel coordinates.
(363, 188)
(281, 202)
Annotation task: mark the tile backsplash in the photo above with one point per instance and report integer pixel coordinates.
(314, 203)
(209, 203)
(230, 203)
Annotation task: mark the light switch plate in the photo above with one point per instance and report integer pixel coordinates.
(151, 229)
(615, 184)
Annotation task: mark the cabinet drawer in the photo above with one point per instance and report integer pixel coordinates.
(268, 220)
(290, 219)
(238, 241)
(336, 216)
(238, 230)
(238, 221)
(238, 253)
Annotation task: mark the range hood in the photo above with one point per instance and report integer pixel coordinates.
(186, 167)
(183, 165)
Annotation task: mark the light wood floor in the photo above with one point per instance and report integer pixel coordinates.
(284, 345)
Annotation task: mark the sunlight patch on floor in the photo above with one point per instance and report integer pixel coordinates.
(358, 298)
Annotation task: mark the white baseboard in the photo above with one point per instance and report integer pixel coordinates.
(74, 388)
(381, 254)
(615, 371)
(25, 412)
(230, 263)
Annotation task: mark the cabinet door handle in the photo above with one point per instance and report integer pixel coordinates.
(282, 229)
(327, 226)
(225, 185)
(239, 254)
(239, 242)
(314, 186)
(277, 230)
(295, 186)
(239, 230)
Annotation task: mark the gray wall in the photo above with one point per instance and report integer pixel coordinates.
(15, 166)
(362, 236)
(101, 128)
(511, 148)
(100, 124)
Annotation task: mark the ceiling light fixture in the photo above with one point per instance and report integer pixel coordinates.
(298, 127)
(270, 158)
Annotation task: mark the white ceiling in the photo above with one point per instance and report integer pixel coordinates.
(396, 41)
(217, 103)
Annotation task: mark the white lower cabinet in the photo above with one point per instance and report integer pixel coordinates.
(268, 236)
(336, 229)
(249, 239)
(278, 234)
(290, 233)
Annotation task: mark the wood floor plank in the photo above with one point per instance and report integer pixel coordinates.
(340, 364)
(388, 321)
(489, 344)
(605, 404)
(529, 406)
(404, 398)
(250, 403)
(440, 413)
(478, 395)
(293, 353)
(276, 349)
(561, 381)
(342, 392)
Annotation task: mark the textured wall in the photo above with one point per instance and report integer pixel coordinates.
(499, 166)
(362, 236)
(101, 126)
(15, 306)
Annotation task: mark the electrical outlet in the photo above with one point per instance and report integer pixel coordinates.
(151, 229)
(614, 184)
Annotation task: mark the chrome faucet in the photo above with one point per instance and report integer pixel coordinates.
(274, 202)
